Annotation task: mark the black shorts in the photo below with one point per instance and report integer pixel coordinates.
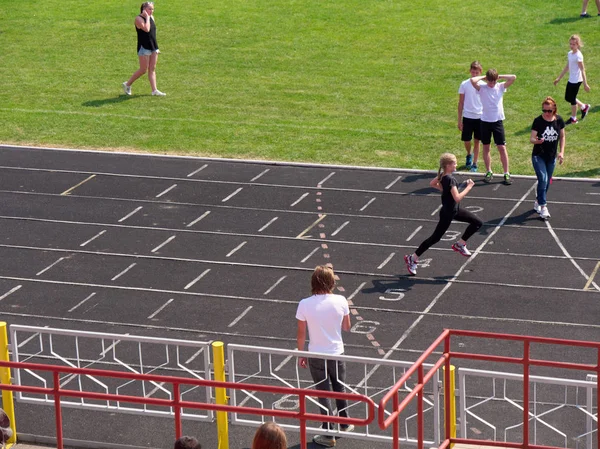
(495, 128)
(571, 92)
(471, 128)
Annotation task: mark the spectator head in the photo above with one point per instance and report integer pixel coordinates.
(491, 76)
(476, 68)
(146, 5)
(548, 104)
(269, 436)
(187, 443)
(323, 280)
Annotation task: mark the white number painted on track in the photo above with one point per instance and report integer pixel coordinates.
(294, 404)
(396, 293)
(451, 235)
(424, 263)
(474, 209)
(364, 327)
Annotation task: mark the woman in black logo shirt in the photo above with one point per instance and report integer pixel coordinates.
(446, 183)
(547, 133)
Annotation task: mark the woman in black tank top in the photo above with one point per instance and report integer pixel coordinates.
(147, 49)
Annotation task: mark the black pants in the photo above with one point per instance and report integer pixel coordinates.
(328, 375)
(446, 217)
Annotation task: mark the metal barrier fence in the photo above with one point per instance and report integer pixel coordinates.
(367, 376)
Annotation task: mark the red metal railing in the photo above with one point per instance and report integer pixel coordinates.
(446, 359)
(57, 392)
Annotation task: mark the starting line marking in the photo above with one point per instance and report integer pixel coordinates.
(590, 280)
(299, 236)
(68, 191)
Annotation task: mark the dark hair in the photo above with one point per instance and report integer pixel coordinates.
(145, 5)
(476, 65)
(323, 280)
(491, 75)
(269, 436)
(187, 443)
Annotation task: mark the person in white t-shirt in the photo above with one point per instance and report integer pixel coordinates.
(577, 75)
(469, 116)
(491, 93)
(325, 315)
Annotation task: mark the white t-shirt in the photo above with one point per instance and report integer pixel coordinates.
(472, 107)
(323, 315)
(575, 75)
(491, 100)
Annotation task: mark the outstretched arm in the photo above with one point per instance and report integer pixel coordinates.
(475, 81)
(509, 79)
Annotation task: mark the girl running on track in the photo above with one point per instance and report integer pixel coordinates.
(447, 184)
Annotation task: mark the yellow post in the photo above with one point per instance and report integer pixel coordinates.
(452, 402)
(7, 397)
(221, 394)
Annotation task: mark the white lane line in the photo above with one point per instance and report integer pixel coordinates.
(235, 249)
(10, 292)
(130, 214)
(592, 193)
(81, 302)
(260, 174)
(334, 233)
(68, 191)
(193, 356)
(123, 272)
(355, 292)
(50, 266)
(198, 219)
(283, 363)
(299, 236)
(393, 182)
(567, 255)
(160, 309)
(268, 224)
(322, 181)
(197, 171)
(304, 195)
(111, 347)
(163, 244)
(367, 205)
(436, 211)
(496, 188)
(274, 285)
(384, 263)
(227, 198)
(414, 233)
(204, 273)
(310, 254)
(166, 191)
(93, 238)
(234, 322)
(592, 276)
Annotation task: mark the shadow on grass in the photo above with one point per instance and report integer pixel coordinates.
(563, 20)
(100, 103)
(591, 173)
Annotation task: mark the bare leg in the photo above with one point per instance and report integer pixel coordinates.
(503, 157)
(598, 5)
(476, 148)
(468, 143)
(579, 103)
(143, 68)
(487, 159)
(152, 70)
(585, 5)
(574, 110)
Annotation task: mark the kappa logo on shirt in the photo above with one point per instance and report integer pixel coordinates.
(550, 134)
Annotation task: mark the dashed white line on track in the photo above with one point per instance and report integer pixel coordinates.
(414, 233)
(320, 183)
(268, 224)
(235, 249)
(436, 210)
(310, 254)
(197, 171)
(130, 214)
(393, 182)
(160, 309)
(10, 292)
(336, 232)
(270, 289)
(204, 273)
(163, 244)
(123, 272)
(198, 219)
(368, 204)
(164, 192)
(227, 198)
(242, 315)
(50, 266)
(93, 238)
(385, 262)
(81, 302)
(304, 195)
(264, 172)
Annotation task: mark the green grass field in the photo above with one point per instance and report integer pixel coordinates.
(362, 82)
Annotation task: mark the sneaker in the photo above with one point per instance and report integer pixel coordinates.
(461, 249)
(544, 212)
(324, 440)
(507, 180)
(411, 265)
(571, 121)
(126, 88)
(536, 207)
(347, 428)
(585, 15)
(584, 111)
(469, 162)
(474, 168)
(488, 177)
(158, 93)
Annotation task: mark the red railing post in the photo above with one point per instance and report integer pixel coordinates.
(57, 410)
(302, 398)
(420, 423)
(598, 394)
(396, 423)
(526, 347)
(177, 410)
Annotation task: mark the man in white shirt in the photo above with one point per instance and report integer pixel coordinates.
(469, 116)
(325, 315)
(491, 94)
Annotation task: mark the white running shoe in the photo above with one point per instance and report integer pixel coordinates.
(126, 88)
(536, 207)
(411, 265)
(461, 249)
(158, 93)
(544, 213)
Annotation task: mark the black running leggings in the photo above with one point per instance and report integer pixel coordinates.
(446, 217)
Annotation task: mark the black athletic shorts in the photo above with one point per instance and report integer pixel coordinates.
(471, 128)
(493, 128)
(571, 93)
